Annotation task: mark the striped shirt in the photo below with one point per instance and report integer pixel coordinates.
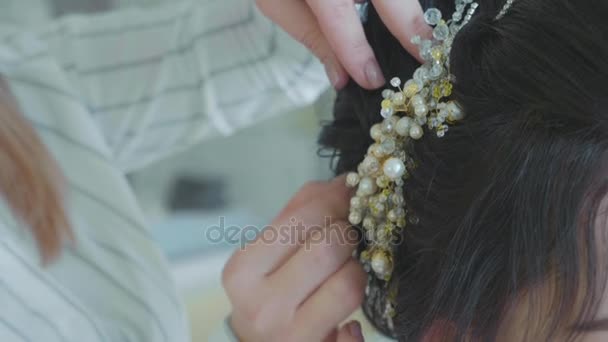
(109, 94)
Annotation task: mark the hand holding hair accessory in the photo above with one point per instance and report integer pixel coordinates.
(420, 105)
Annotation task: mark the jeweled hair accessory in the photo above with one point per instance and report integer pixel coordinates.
(422, 104)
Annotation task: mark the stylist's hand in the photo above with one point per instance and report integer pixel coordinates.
(331, 29)
(299, 291)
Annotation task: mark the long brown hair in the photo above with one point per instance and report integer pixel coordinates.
(30, 180)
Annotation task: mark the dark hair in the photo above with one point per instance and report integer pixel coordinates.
(508, 201)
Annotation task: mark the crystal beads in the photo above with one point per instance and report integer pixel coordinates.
(386, 112)
(432, 16)
(409, 110)
(441, 31)
(396, 82)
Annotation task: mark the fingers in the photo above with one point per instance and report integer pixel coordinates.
(285, 235)
(350, 332)
(339, 21)
(332, 30)
(297, 19)
(309, 192)
(325, 252)
(319, 314)
(317, 285)
(404, 18)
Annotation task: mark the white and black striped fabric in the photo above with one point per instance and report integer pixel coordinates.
(110, 94)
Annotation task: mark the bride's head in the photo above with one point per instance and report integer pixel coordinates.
(510, 242)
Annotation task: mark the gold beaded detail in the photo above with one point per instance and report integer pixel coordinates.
(421, 105)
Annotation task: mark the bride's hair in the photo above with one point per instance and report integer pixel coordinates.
(511, 231)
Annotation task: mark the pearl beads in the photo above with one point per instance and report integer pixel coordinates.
(421, 110)
(403, 126)
(376, 132)
(356, 202)
(417, 100)
(376, 150)
(371, 164)
(367, 187)
(454, 112)
(381, 263)
(418, 106)
(382, 181)
(398, 99)
(368, 223)
(355, 217)
(392, 215)
(388, 146)
(394, 168)
(352, 179)
(416, 132)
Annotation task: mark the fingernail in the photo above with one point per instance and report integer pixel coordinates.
(355, 330)
(333, 75)
(374, 74)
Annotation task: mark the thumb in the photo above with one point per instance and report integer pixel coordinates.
(350, 332)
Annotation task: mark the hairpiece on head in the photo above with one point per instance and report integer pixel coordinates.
(422, 104)
(505, 9)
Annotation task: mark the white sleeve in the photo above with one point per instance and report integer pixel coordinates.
(161, 79)
(35, 307)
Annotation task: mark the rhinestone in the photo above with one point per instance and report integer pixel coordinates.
(432, 16)
(421, 74)
(441, 31)
(386, 112)
(436, 71)
(387, 93)
(396, 82)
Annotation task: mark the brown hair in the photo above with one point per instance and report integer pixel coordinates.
(30, 180)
